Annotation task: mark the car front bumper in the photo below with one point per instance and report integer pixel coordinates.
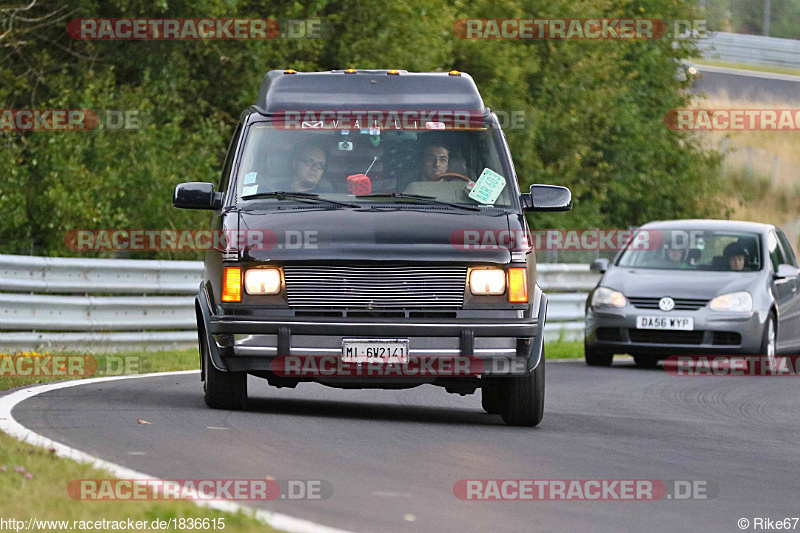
(714, 333)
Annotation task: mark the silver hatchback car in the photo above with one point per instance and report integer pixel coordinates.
(696, 287)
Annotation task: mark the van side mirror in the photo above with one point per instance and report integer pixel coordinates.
(599, 265)
(196, 195)
(547, 198)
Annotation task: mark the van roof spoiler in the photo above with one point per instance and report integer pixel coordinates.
(283, 90)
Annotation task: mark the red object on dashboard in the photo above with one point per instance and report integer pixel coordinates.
(359, 184)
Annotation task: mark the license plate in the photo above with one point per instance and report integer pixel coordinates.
(665, 322)
(375, 350)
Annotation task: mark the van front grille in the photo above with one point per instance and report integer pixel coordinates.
(375, 287)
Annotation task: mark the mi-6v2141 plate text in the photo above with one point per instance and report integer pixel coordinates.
(375, 350)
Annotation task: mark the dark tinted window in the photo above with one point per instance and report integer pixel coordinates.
(690, 249)
(226, 169)
(775, 252)
(329, 162)
(787, 249)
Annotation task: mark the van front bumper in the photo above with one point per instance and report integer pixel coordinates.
(251, 344)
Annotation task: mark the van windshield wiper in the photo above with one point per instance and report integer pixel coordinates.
(282, 195)
(421, 198)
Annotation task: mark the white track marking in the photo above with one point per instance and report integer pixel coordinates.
(15, 429)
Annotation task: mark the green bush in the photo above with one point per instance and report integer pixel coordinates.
(593, 109)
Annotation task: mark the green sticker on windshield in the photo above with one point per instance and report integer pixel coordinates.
(250, 189)
(250, 177)
(488, 187)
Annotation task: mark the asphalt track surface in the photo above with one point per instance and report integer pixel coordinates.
(393, 457)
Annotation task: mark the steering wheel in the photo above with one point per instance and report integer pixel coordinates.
(450, 175)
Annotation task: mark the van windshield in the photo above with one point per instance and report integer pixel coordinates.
(455, 166)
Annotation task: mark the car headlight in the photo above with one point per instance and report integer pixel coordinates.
(487, 281)
(734, 302)
(605, 297)
(262, 281)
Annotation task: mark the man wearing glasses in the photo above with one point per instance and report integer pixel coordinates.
(435, 161)
(308, 168)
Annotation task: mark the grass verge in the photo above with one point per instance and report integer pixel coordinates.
(74, 365)
(564, 350)
(43, 493)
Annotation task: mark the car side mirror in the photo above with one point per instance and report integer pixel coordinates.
(786, 271)
(599, 265)
(547, 198)
(196, 195)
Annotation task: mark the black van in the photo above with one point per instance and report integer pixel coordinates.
(375, 237)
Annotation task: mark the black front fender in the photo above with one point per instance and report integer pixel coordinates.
(203, 310)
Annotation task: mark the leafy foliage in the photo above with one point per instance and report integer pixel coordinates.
(593, 110)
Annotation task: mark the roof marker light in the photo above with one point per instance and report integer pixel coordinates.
(455, 73)
(289, 71)
(350, 71)
(393, 72)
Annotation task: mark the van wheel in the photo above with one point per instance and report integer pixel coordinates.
(522, 400)
(223, 390)
(597, 357)
(490, 396)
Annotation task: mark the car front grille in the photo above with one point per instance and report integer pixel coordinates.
(375, 287)
(649, 336)
(727, 338)
(681, 304)
(609, 334)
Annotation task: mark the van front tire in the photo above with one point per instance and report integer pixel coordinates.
(223, 390)
(522, 398)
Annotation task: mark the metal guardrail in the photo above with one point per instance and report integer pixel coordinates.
(20, 273)
(109, 305)
(751, 49)
(567, 287)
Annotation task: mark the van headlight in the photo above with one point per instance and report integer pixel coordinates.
(605, 297)
(487, 281)
(733, 302)
(262, 281)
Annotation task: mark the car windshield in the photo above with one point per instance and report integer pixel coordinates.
(462, 167)
(694, 250)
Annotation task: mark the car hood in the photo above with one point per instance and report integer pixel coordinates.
(373, 235)
(641, 282)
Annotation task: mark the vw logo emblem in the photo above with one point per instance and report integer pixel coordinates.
(666, 303)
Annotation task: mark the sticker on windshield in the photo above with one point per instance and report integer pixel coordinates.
(250, 177)
(488, 187)
(250, 189)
